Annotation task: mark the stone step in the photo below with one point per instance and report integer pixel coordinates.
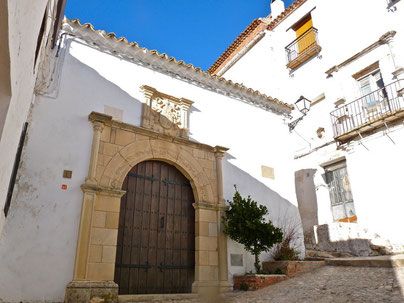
(378, 261)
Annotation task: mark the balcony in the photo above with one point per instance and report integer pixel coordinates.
(302, 49)
(368, 113)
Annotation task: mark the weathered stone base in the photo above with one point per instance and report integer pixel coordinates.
(291, 268)
(255, 282)
(89, 291)
(211, 287)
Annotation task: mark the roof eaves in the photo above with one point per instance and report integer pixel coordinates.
(246, 34)
(132, 51)
(235, 45)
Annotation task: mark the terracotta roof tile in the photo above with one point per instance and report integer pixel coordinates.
(249, 34)
(248, 92)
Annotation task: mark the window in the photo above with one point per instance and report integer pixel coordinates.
(342, 204)
(305, 46)
(304, 35)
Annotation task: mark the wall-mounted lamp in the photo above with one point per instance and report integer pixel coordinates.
(303, 105)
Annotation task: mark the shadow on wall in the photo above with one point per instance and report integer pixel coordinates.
(40, 232)
(281, 211)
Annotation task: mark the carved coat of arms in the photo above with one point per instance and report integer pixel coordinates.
(164, 113)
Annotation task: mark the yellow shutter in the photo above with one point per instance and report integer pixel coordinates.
(309, 38)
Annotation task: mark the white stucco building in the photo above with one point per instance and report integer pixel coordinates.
(346, 57)
(25, 32)
(145, 109)
(118, 134)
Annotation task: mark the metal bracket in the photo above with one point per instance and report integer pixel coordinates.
(361, 143)
(386, 132)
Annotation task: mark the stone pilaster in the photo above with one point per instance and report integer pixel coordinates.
(224, 284)
(98, 121)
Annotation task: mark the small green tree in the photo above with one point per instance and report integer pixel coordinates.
(244, 222)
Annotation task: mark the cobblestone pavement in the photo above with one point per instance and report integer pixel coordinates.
(329, 285)
(334, 285)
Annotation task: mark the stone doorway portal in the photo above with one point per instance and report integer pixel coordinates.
(156, 234)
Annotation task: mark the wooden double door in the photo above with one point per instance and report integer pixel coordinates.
(156, 235)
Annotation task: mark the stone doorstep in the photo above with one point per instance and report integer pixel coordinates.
(156, 298)
(379, 261)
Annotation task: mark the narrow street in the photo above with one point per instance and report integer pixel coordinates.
(327, 285)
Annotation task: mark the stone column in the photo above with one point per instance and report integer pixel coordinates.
(95, 147)
(224, 284)
(93, 275)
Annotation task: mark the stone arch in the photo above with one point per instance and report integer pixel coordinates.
(132, 154)
(116, 148)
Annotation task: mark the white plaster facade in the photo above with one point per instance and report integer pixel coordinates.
(41, 230)
(375, 163)
(19, 33)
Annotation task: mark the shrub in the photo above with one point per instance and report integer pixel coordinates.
(244, 222)
(285, 250)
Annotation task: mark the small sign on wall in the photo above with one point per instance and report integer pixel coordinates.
(67, 174)
(268, 172)
(236, 260)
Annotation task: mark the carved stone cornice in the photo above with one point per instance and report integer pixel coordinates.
(210, 206)
(99, 117)
(101, 190)
(220, 151)
(384, 39)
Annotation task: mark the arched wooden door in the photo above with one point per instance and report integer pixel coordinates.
(156, 235)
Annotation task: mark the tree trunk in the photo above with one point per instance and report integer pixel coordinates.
(257, 264)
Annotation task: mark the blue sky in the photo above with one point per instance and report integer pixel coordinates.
(196, 31)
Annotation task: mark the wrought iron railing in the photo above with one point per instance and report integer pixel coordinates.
(369, 109)
(304, 47)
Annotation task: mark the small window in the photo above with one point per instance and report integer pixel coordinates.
(342, 204)
(372, 89)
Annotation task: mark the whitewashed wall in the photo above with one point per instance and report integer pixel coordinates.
(344, 29)
(37, 252)
(24, 22)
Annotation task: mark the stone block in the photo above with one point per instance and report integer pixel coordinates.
(212, 229)
(95, 253)
(106, 134)
(213, 258)
(101, 271)
(108, 254)
(112, 220)
(84, 291)
(99, 218)
(202, 229)
(124, 137)
(107, 203)
(110, 149)
(203, 257)
(208, 273)
(207, 215)
(103, 236)
(206, 243)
